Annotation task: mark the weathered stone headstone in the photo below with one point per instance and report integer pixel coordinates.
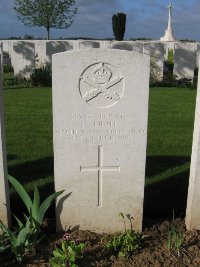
(23, 58)
(100, 108)
(87, 44)
(122, 45)
(197, 55)
(184, 60)
(137, 46)
(4, 191)
(1, 55)
(40, 53)
(53, 47)
(157, 53)
(193, 200)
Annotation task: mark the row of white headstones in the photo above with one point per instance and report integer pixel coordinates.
(25, 55)
(100, 113)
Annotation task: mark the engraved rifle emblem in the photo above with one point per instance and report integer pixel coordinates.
(101, 83)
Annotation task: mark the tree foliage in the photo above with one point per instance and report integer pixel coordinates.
(119, 25)
(57, 14)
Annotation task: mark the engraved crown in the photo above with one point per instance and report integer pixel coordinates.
(101, 74)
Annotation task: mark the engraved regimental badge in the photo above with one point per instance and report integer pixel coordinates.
(101, 85)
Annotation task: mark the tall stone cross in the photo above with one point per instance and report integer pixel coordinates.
(100, 168)
(169, 37)
(170, 7)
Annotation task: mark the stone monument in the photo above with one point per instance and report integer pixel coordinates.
(4, 190)
(169, 37)
(184, 60)
(100, 108)
(193, 201)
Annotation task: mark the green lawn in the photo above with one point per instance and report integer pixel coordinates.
(171, 116)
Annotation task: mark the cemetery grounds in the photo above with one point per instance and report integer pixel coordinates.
(28, 116)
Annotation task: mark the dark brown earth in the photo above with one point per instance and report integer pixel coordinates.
(154, 253)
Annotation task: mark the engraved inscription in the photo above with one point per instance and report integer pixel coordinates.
(101, 85)
(100, 169)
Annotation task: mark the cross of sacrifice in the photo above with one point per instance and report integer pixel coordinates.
(100, 168)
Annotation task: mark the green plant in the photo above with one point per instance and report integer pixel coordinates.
(170, 58)
(119, 25)
(7, 68)
(175, 239)
(42, 76)
(125, 243)
(46, 13)
(23, 240)
(155, 72)
(35, 210)
(28, 235)
(67, 254)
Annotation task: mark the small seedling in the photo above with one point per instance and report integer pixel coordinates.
(127, 242)
(175, 238)
(67, 253)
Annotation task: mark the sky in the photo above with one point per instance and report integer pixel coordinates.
(145, 19)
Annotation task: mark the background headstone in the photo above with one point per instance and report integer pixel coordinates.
(87, 44)
(137, 46)
(193, 200)
(197, 55)
(1, 55)
(100, 108)
(23, 58)
(122, 45)
(53, 47)
(157, 52)
(4, 190)
(184, 60)
(40, 53)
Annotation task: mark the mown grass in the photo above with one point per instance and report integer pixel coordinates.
(28, 114)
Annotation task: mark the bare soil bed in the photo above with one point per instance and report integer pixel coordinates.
(154, 253)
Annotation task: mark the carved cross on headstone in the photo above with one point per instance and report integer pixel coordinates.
(100, 168)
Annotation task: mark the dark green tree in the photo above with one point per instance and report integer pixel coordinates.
(119, 25)
(49, 14)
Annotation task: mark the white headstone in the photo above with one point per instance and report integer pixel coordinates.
(105, 44)
(40, 53)
(197, 55)
(137, 46)
(157, 52)
(184, 60)
(193, 200)
(4, 190)
(87, 44)
(1, 55)
(23, 58)
(53, 47)
(122, 45)
(100, 108)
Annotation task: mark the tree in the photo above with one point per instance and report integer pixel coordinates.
(119, 25)
(46, 13)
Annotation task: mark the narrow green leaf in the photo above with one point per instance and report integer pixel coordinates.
(45, 205)
(21, 191)
(36, 203)
(22, 236)
(18, 221)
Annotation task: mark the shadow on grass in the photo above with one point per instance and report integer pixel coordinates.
(160, 199)
(164, 197)
(28, 172)
(158, 164)
(32, 170)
